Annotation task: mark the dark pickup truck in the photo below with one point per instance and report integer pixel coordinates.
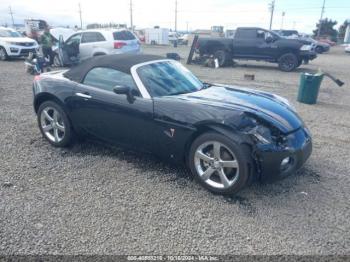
(252, 43)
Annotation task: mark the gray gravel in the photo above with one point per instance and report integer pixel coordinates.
(93, 199)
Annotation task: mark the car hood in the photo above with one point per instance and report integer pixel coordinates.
(269, 107)
(18, 39)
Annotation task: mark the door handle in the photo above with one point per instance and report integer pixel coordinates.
(87, 96)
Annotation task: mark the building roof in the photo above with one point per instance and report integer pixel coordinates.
(120, 62)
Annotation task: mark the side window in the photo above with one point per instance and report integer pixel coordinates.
(246, 34)
(90, 37)
(107, 79)
(74, 39)
(123, 35)
(260, 34)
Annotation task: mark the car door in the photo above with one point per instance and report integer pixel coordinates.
(265, 46)
(91, 43)
(111, 117)
(70, 49)
(244, 43)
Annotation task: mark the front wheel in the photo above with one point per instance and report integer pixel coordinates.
(319, 49)
(3, 54)
(54, 124)
(222, 57)
(218, 163)
(288, 62)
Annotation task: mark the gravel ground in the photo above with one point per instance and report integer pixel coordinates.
(94, 199)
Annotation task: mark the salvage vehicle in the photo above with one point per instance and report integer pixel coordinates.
(347, 49)
(227, 135)
(95, 42)
(252, 43)
(319, 47)
(13, 44)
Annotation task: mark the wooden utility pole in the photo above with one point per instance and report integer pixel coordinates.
(272, 9)
(175, 15)
(320, 22)
(131, 22)
(81, 20)
(11, 13)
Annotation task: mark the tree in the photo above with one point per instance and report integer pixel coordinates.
(327, 28)
(342, 29)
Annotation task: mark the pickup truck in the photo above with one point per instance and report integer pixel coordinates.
(253, 43)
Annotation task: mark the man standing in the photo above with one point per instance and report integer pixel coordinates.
(46, 41)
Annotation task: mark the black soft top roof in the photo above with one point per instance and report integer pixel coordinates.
(120, 62)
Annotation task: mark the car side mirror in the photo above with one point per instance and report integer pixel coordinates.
(125, 90)
(269, 39)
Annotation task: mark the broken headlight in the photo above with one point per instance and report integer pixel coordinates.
(262, 134)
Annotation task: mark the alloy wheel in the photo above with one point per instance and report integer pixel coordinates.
(2, 54)
(216, 165)
(288, 63)
(52, 124)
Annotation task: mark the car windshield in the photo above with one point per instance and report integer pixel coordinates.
(168, 78)
(9, 33)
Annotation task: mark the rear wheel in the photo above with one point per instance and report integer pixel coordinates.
(54, 124)
(319, 49)
(218, 163)
(3, 54)
(223, 57)
(288, 62)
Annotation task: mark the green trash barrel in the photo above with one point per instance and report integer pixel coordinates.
(309, 87)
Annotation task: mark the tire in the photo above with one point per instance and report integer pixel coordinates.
(208, 171)
(3, 54)
(59, 131)
(300, 61)
(319, 49)
(288, 62)
(223, 57)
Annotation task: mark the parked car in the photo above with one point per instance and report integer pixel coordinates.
(347, 49)
(183, 40)
(14, 44)
(95, 42)
(287, 33)
(328, 41)
(319, 47)
(173, 37)
(227, 135)
(254, 43)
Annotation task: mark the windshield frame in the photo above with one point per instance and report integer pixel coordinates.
(143, 90)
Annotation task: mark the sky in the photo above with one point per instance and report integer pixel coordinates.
(301, 15)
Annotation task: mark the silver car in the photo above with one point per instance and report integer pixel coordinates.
(85, 44)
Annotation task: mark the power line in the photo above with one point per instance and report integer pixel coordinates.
(11, 13)
(81, 20)
(272, 8)
(320, 23)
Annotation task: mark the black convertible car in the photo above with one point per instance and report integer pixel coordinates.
(227, 135)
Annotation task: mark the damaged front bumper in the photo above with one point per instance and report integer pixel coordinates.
(277, 162)
(308, 55)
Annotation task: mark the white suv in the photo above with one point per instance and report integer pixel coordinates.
(13, 44)
(94, 42)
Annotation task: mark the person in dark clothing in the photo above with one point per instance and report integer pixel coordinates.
(47, 42)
